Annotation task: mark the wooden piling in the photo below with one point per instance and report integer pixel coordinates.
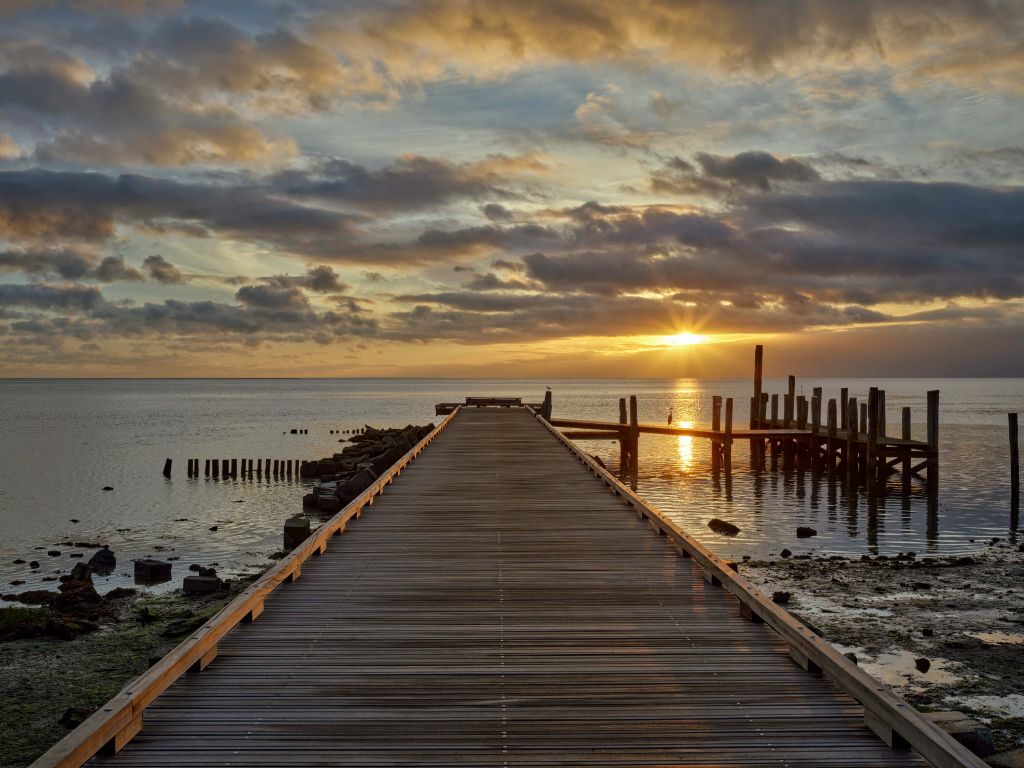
(863, 425)
(850, 454)
(775, 410)
(547, 405)
(801, 412)
(234, 467)
(167, 467)
(905, 458)
(933, 440)
(881, 414)
(216, 467)
(206, 469)
(716, 427)
(872, 442)
(634, 439)
(623, 442)
(790, 401)
(844, 398)
(758, 382)
(727, 443)
(276, 467)
(830, 441)
(1014, 461)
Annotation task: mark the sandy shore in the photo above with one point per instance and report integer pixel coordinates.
(965, 615)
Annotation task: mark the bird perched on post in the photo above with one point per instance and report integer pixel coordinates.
(670, 417)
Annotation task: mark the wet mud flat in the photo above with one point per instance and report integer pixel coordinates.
(947, 633)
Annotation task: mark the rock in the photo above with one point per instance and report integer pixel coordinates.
(356, 485)
(150, 571)
(922, 585)
(19, 561)
(851, 656)
(922, 664)
(53, 552)
(213, 527)
(296, 531)
(972, 734)
(201, 585)
(207, 572)
(74, 520)
(77, 554)
(108, 487)
(723, 527)
(102, 561)
(309, 500)
(81, 572)
(74, 716)
(328, 505)
(195, 567)
(803, 532)
(785, 553)
(927, 631)
(32, 597)
(17, 583)
(781, 597)
(34, 564)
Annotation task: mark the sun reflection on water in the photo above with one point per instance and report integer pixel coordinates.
(685, 447)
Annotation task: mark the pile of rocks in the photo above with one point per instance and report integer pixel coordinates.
(345, 475)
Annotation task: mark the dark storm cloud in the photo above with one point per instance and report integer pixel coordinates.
(48, 262)
(67, 204)
(271, 297)
(410, 183)
(112, 269)
(73, 298)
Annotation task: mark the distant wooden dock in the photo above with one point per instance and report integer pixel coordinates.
(505, 601)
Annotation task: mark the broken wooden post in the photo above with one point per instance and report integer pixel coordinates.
(296, 531)
(1014, 461)
(716, 427)
(790, 402)
(634, 438)
(830, 441)
(872, 443)
(623, 444)
(727, 442)
(850, 454)
(167, 467)
(933, 439)
(905, 451)
(758, 370)
(546, 413)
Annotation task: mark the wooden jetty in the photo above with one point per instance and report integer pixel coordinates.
(505, 601)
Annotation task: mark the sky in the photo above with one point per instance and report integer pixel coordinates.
(511, 188)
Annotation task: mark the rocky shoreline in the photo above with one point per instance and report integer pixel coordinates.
(947, 633)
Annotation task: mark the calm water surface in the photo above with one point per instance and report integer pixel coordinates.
(62, 441)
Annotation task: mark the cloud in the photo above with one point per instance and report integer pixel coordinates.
(75, 298)
(113, 269)
(719, 175)
(8, 149)
(272, 297)
(163, 271)
(410, 183)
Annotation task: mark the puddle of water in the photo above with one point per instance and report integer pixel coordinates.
(897, 668)
(999, 638)
(1011, 705)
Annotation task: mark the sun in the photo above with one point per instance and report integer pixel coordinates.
(685, 339)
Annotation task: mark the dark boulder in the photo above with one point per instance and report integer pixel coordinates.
(781, 597)
(103, 561)
(723, 527)
(804, 532)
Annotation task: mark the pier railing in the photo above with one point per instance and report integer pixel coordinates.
(115, 723)
(895, 721)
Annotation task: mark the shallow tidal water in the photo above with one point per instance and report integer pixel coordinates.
(62, 441)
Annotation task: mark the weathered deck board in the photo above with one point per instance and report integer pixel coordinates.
(497, 606)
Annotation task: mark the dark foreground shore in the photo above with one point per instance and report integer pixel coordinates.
(945, 633)
(964, 615)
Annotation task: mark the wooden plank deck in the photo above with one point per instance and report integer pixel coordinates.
(498, 606)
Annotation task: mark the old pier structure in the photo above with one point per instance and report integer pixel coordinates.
(839, 436)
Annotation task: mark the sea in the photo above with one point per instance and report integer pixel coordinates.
(63, 441)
